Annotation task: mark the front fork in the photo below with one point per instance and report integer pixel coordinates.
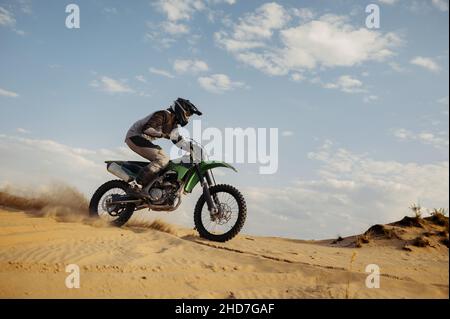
(206, 181)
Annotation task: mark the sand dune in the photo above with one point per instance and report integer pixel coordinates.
(141, 262)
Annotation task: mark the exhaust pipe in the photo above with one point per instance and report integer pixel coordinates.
(118, 171)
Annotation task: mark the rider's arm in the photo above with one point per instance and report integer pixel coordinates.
(154, 127)
(179, 141)
(153, 132)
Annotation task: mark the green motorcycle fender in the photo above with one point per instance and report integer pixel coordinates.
(193, 180)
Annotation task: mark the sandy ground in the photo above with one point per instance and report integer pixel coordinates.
(138, 262)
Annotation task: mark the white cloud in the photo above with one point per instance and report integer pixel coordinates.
(230, 2)
(190, 66)
(350, 193)
(141, 78)
(233, 45)
(161, 72)
(297, 77)
(370, 98)
(179, 14)
(397, 67)
(304, 14)
(441, 4)
(390, 2)
(218, 83)
(7, 93)
(163, 35)
(110, 10)
(287, 133)
(347, 84)
(19, 32)
(174, 28)
(331, 42)
(265, 41)
(111, 85)
(443, 101)
(176, 10)
(22, 130)
(252, 29)
(26, 6)
(144, 94)
(262, 23)
(159, 39)
(437, 140)
(6, 18)
(267, 62)
(426, 63)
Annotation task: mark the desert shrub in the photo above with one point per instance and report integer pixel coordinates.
(417, 210)
(438, 217)
(337, 240)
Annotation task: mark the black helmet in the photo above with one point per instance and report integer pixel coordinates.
(183, 109)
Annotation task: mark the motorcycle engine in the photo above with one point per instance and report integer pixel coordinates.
(156, 194)
(164, 191)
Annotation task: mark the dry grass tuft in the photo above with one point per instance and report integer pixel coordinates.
(406, 247)
(417, 210)
(421, 241)
(362, 239)
(443, 233)
(438, 217)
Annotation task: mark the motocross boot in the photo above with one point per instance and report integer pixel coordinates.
(145, 178)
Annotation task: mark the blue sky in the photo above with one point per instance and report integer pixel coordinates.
(362, 113)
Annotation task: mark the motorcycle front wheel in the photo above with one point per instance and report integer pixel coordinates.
(230, 219)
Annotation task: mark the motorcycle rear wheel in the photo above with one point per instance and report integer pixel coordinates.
(119, 215)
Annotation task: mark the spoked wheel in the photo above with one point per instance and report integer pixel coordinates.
(101, 203)
(230, 218)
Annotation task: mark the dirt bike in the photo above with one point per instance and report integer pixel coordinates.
(220, 219)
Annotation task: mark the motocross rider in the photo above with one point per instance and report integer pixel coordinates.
(160, 124)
